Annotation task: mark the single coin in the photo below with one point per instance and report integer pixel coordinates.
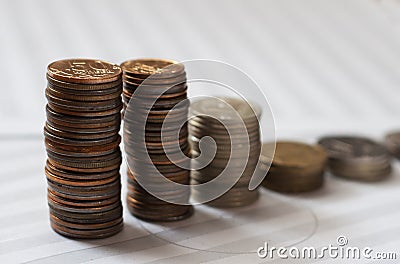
(86, 234)
(67, 111)
(293, 154)
(225, 109)
(85, 71)
(79, 176)
(157, 68)
(67, 88)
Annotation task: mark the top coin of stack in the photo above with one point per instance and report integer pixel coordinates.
(356, 158)
(234, 126)
(82, 143)
(156, 111)
(392, 142)
(295, 167)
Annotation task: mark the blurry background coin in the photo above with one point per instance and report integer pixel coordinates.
(357, 158)
(392, 142)
(296, 167)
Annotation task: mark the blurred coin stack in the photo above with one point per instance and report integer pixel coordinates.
(357, 158)
(234, 126)
(392, 142)
(82, 143)
(295, 167)
(155, 115)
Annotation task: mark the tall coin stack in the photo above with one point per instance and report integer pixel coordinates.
(231, 123)
(357, 158)
(82, 143)
(153, 89)
(295, 167)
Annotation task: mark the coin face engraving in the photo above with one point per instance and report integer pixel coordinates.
(152, 66)
(84, 71)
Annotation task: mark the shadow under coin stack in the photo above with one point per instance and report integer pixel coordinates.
(155, 88)
(295, 167)
(231, 123)
(82, 143)
(357, 158)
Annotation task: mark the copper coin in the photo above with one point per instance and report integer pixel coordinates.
(73, 175)
(84, 89)
(157, 68)
(84, 71)
(150, 80)
(95, 134)
(66, 111)
(88, 218)
(86, 234)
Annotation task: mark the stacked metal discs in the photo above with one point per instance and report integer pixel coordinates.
(392, 142)
(234, 126)
(295, 167)
(357, 158)
(82, 143)
(156, 111)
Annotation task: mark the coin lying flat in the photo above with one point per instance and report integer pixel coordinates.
(84, 71)
(157, 68)
(155, 90)
(392, 142)
(356, 158)
(82, 144)
(233, 125)
(295, 167)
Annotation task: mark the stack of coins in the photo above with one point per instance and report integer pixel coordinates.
(233, 124)
(357, 158)
(392, 142)
(155, 115)
(82, 143)
(295, 167)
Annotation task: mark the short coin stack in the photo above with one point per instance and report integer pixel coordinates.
(392, 142)
(295, 167)
(234, 126)
(82, 143)
(357, 158)
(156, 111)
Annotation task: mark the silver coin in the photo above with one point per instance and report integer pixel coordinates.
(241, 146)
(225, 109)
(357, 158)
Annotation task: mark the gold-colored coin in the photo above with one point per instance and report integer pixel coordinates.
(295, 167)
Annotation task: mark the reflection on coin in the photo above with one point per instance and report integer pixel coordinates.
(296, 167)
(356, 158)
